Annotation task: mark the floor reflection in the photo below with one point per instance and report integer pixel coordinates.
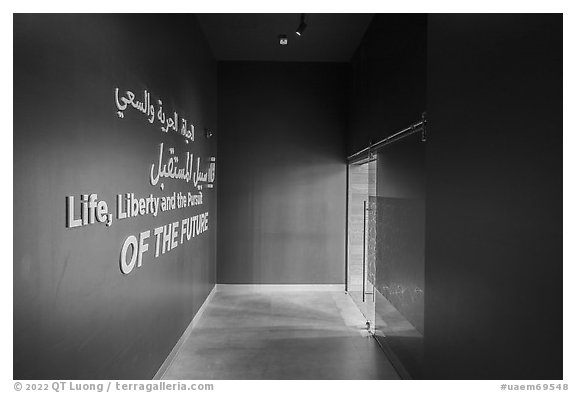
(281, 335)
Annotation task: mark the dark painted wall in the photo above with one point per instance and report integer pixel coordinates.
(76, 316)
(282, 176)
(388, 78)
(494, 197)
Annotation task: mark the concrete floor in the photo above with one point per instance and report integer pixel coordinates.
(280, 334)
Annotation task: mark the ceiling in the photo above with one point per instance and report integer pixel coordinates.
(254, 37)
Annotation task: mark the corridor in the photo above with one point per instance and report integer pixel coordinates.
(400, 174)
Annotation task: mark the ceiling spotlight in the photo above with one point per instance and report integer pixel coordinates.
(301, 26)
(283, 39)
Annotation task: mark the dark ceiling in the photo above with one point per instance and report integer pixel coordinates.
(254, 37)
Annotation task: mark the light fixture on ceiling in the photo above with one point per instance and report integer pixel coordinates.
(301, 26)
(283, 39)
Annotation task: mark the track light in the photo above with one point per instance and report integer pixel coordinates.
(301, 26)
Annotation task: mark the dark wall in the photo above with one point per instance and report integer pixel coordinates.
(282, 176)
(76, 315)
(388, 78)
(494, 197)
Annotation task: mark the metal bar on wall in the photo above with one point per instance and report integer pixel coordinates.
(412, 129)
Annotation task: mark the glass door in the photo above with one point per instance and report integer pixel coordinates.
(396, 229)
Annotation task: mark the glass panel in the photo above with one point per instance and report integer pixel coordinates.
(357, 197)
(370, 246)
(361, 262)
(398, 212)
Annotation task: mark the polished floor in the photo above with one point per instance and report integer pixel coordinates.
(280, 334)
